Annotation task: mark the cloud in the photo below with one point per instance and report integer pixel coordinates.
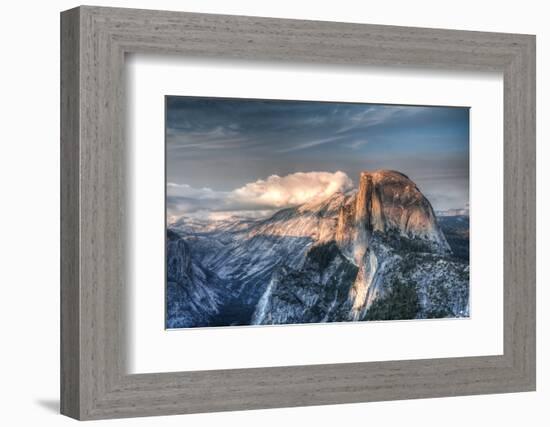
(272, 193)
(186, 191)
(309, 144)
(358, 143)
(349, 125)
(293, 189)
(364, 117)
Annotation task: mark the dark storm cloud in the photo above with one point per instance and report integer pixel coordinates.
(223, 144)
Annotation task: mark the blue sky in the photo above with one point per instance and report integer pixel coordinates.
(215, 146)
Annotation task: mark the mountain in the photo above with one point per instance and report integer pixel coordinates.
(386, 250)
(372, 254)
(457, 232)
(193, 292)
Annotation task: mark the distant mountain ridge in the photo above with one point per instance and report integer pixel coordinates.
(370, 254)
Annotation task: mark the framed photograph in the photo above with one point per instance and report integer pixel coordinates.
(262, 213)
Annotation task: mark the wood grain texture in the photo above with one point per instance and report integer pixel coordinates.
(70, 292)
(95, 383)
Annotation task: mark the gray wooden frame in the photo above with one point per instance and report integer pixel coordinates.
(94, 382)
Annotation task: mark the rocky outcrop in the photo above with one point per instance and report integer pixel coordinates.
(388, 201)
(193, 292)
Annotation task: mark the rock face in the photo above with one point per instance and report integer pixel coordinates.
(388, 201)
(373, 254)
(193, 293)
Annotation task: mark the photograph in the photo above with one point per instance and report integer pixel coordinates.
(295, 212)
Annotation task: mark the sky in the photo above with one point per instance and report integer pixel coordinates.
(251, 157)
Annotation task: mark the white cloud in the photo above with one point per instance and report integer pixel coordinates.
(312, 143)
(369, 117)
(185, 190)
(270, 194)
(358, 143)
(293, 189)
